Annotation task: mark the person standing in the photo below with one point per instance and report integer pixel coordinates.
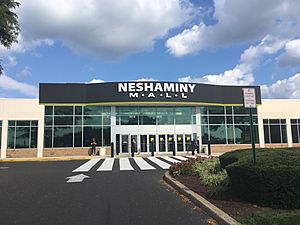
(93, 145)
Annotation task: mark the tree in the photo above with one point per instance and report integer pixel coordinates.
(9, 25)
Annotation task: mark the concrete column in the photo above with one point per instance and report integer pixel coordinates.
(261, 132)
(4, 138)
(40, 142)
(198, 126)
(289, 132)
(112, 127)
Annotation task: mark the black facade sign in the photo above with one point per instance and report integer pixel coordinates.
(143, 92)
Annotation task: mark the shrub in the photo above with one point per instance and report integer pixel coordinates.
(273, 181)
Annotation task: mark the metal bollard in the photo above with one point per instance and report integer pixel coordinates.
(111, 149)
(174, 152)
(152, 149)
(209, 148)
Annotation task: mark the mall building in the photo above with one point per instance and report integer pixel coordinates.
(155, 116)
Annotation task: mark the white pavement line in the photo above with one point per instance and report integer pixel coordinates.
(143, 164)
(169, 159)
(159, 162)
(107, 165)
(125, 164)
(86, 166)
(191, 156)
(180, 158)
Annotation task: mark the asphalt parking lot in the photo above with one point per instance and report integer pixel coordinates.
(38, 193)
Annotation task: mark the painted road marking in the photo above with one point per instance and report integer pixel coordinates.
(86, 166)
(169, 159)
(77, 178)
(107, 165)
(180, 158)
(143, 164)
(159, 162)
(125, 164)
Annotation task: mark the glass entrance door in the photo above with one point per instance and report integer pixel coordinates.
(180, 143)
(188, 142)
(162, 143)
(152, 143)
(133, 143)
(170, 143)
(125, 144)
(143, 143)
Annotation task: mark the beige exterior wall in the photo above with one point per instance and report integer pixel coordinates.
(29, 109)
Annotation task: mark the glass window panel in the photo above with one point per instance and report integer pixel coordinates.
(34, 123)
(242, 134)
(22, 137)
(48, 120)
(0, 133)
(93, 110)
(92, 120)
(106, 136)
(23, 123)
(78, 136)
(295, 136)
(242, 120)
(274, 121)
(203, 110)
(283, 121)
(11, 138)
(129, 120)
(63, 137)
(63, 110)
(91, 132)
(184, 115)
(33, 141)
(204, 119)
(275, 133)
(229, 119)
(283, 134)
(106, 110)
(241, 110)
(204, 132)
(48, 137)
(0, 123)
(266, 134)
(11, 123)
(165, 115)
(228, 110)
(106, 120)
(147, 116)
(78, 110)
(293, 121)
(63, 120)
(217, 134)
(216, 110)
(265, 121)
(78, 120)
(48, 110)
(230, 135)
(216, 119)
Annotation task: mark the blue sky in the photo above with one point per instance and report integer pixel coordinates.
(225, 42)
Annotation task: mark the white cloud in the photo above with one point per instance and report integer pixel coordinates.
(240, 21)
(242, 74)
(286, 88)
(94, 81)
(11, 61)
(105, 28)
(9, 84)
(26, 71)
(291, 56)
(145, 79)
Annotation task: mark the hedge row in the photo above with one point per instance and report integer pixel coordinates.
(273, 181)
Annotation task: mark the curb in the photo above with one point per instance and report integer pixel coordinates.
(48, 159)
(201, 202)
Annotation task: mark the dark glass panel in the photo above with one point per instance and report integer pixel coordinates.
(23, 123)
(34, 123)
(93, 110)
(63, 110)
(266, 134)
(242, 134)
(48, 110)
(184, 115)
(106, 110)
(78, 110)
(63, 120)
(180, 143)
(92, 120)
(217, 134)
(165, 115)
(106, 120)
(129, 115)
(78, 136)
(244, 119)
(216, 110)
(78, 120)
(295, 135)
(274, 121)
(147, 116)
(11, 123)
(204, 132)
(293, 121)
(204, 119)
(152, 145)
(228, 110)
(241, 110)
(0, 123)
(143, 143)
(265, 121)
(22, 137)
(229, 119)
(11, 138)
(283, 121)
(230, 135)
(129, 120)
(275, 134)
(91, 132)
(48, 120)
(283, 134)
(216, 119)
(48, 137)
(162, 143)
(203, 110)
(170, 142)
(63, 137)
(106, 136)
(34, 134)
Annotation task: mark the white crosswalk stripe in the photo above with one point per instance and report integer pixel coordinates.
(169, 159)
(125, 164)
(191, 156)
(142, 164)
(107, 165)
(87, 166)
(180, 158)
(159, 162)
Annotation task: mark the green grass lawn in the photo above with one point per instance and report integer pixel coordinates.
(272, 217)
